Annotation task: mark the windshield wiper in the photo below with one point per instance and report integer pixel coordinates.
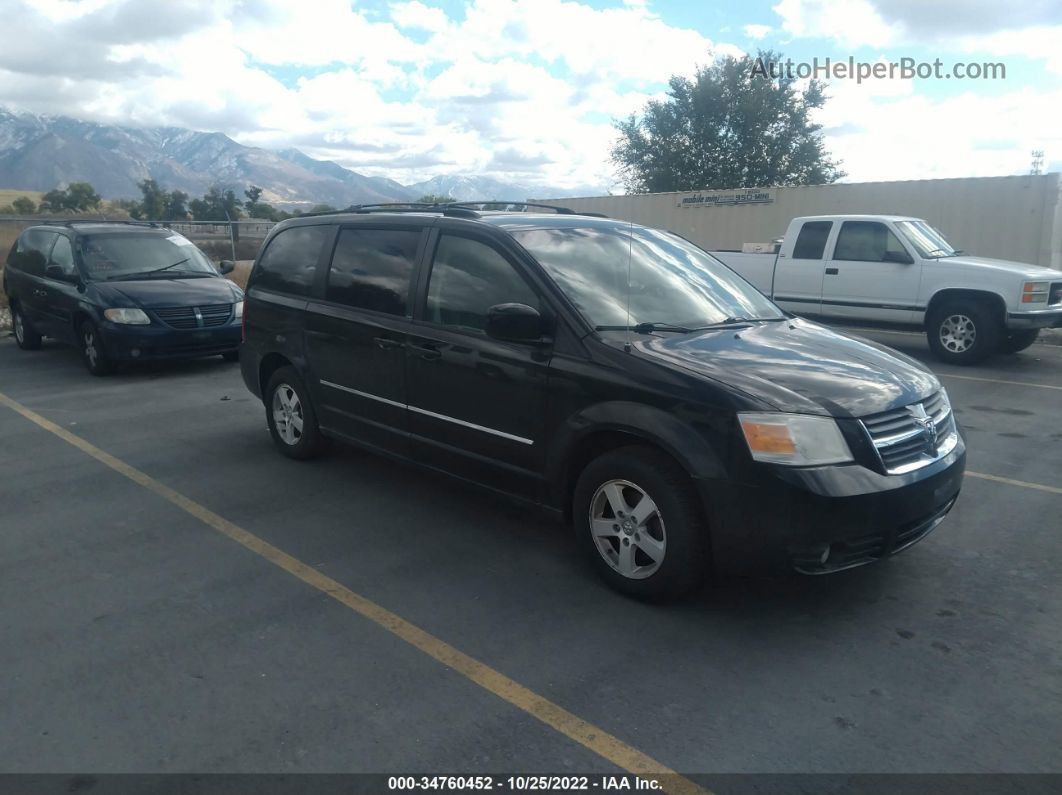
(739, 321)
(647, 328)
(155, 270)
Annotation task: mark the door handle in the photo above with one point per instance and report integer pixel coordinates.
(427, 352)
(832, 271)
(386, 343)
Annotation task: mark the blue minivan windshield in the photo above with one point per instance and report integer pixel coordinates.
(670, 279)
(133, 256)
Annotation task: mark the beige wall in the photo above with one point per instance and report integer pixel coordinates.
(1017, 218)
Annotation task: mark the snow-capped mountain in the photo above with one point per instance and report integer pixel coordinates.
(44, 152)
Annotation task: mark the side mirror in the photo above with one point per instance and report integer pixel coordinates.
(515, 323)
(56, 272)
(226, 266)
(900, 257)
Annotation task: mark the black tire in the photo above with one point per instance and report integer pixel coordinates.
(964, 331)
(26, 336)
(231, 356)
(679, 523)
(299, 443)
(1016, 341)
(93, 352)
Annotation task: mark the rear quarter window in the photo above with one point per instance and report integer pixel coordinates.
(290, 260)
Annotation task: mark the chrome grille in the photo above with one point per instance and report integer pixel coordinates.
(909, 437)
(186, 317)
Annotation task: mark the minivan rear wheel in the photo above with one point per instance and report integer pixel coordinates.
(638, 520)
(290, 415)
(25, 336)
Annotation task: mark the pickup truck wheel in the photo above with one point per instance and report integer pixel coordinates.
(1015, 341)
(963, 332)
(638, 520)
(25, 337)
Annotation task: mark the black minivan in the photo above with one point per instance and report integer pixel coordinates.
(120, 291)
(615, 375)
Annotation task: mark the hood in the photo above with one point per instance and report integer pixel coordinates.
(153, 293)
(1025, 269)
(800, 366)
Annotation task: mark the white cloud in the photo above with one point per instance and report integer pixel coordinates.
(756, 32)
(851, 23)
(418, 16)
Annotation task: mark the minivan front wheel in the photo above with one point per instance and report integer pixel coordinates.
(290, 416)
(639, 522)
(93, 354)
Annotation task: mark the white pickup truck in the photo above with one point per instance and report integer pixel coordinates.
(901, 271)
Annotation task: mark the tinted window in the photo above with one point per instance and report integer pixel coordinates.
(868, 241)
(33, 249)
(371, 269)
(63, 256)
(467, 279)
(811, 242)
(288, 264)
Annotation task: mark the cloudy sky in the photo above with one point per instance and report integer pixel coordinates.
(526, 89)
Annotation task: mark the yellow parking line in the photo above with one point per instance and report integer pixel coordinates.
(575, 728)
(999, 381)
(1012, 482)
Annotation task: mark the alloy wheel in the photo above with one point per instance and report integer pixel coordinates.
(91, 352)
(287, 414)
(20, 329)
(958, 333)
(627, 529)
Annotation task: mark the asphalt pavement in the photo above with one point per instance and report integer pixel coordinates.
(137, 638)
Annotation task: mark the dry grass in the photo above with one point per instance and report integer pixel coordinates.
(7, 196)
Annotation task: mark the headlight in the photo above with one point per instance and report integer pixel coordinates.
(794, 439)
(129, 317)
(1034, 292)
(237, 310)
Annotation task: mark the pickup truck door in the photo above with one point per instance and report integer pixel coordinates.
(798, 269)
(871, 275)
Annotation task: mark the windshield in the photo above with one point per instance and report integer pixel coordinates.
(927, 241)
(671, 280)
(124, 255)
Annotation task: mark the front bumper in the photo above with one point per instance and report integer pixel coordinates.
(137, 343)
(825, 519)
(1037, 318)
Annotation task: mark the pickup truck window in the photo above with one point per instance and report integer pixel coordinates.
(868, 241)
(928, 242)
(811, 242)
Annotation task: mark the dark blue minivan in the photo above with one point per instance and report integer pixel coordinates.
(121, 292)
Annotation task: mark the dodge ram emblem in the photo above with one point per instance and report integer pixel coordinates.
(926, 424)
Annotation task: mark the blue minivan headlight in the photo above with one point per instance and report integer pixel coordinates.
(127, 317)
(794, 439)
(237, 310)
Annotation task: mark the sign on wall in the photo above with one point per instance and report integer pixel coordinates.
(726, 199)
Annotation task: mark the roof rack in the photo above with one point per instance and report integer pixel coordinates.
(484, 204)
(105, 221)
